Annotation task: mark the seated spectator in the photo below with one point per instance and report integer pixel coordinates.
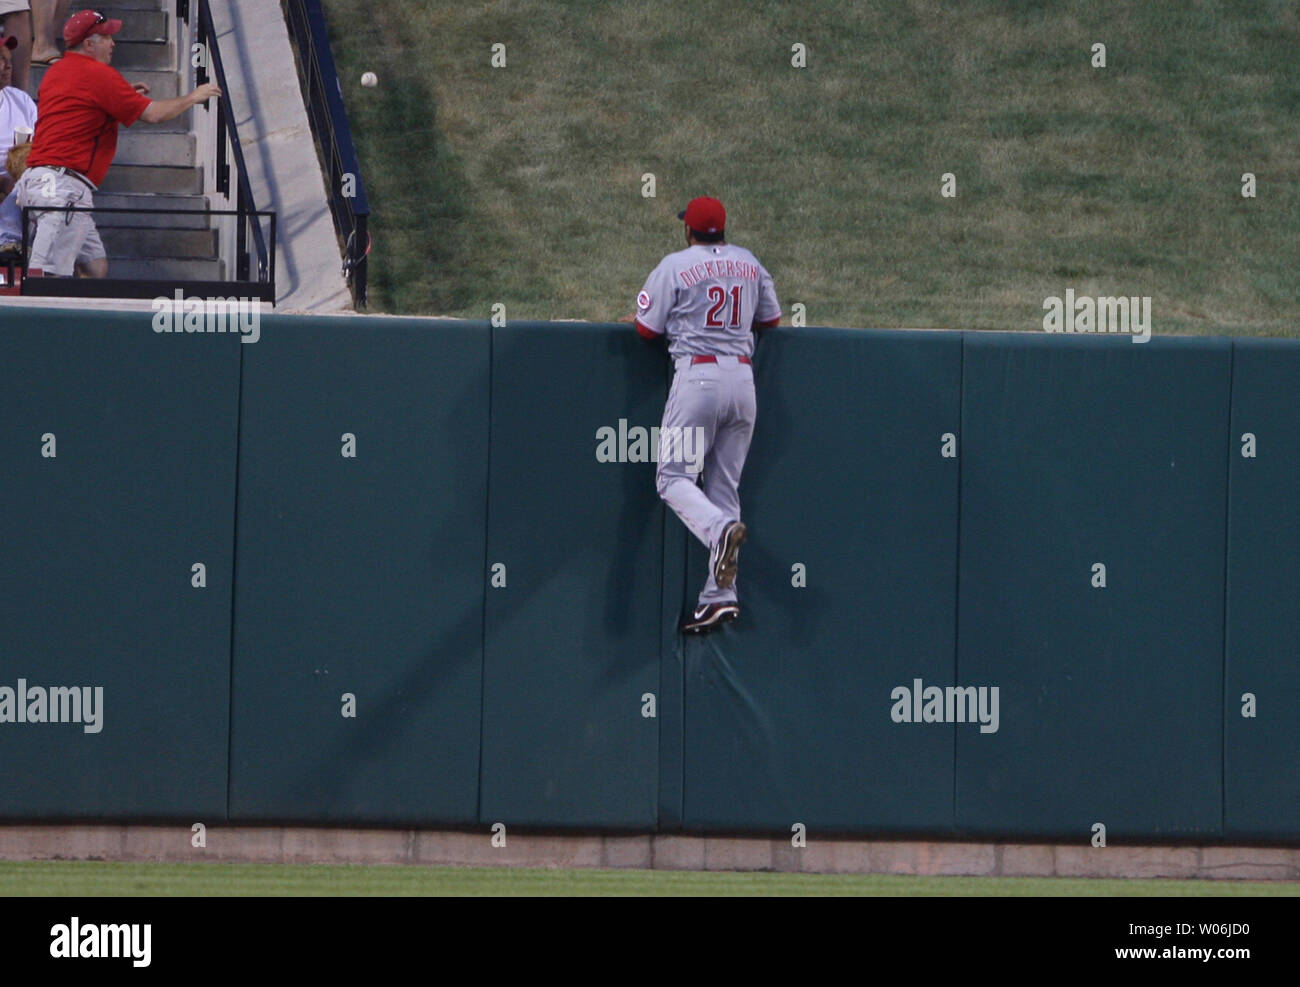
(16, 110)
(16, 19)
(11, 217)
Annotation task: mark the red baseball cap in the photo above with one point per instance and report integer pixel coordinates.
(705, 215)
(84, 23)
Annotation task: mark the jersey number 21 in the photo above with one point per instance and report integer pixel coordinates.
(718, 296)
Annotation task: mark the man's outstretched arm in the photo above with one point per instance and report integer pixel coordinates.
(162, 110)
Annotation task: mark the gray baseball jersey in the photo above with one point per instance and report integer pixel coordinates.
(707, 298)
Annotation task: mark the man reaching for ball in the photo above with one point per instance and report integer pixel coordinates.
(708, 299)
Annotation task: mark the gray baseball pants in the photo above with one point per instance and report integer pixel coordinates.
(707, 426)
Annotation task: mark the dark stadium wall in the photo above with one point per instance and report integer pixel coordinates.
(358, 621)
(119, 453)
(414, 572)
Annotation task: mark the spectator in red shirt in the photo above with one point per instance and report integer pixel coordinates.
(82, 101)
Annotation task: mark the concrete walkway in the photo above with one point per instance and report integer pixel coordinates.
(284, 170)
(306, 845)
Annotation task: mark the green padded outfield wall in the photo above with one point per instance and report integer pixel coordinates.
(500, 605)
(360, 575)
(572, 638)
(1262, 751)
(847, 590)
(98, 542)
(1083, 451)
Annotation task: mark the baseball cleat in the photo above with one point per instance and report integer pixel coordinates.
(724, 554)
(710, 617)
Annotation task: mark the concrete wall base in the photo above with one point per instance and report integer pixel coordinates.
(304, 845)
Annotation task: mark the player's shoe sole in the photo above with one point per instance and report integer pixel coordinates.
(710, 617)
(725, 554)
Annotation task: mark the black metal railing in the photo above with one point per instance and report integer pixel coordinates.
(228, 149)
(262, 289)
(323, 96)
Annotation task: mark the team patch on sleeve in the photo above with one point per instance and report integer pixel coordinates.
(642, 301)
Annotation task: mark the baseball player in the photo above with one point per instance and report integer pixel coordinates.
(708, 300)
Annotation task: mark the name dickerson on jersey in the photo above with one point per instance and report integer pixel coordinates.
(55, 704)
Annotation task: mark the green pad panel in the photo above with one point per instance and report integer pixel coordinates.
(572, 639)
(360, 576)
(788, 710)
(96, 589)
(1261, 752)
(1084, 450)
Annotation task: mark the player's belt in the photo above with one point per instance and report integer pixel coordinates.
(714, 359)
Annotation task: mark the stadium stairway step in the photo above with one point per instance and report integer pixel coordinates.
(195, 216)
(142, 243)
(166, 269)
(146, 146)
(130, 56)
(183, 124)
(161, 179)
(140, 24)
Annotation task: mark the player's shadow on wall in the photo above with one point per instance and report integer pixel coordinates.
(766, 578)
(641, 511)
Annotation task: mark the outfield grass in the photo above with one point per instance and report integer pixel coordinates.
(80, 878)
(522, 184)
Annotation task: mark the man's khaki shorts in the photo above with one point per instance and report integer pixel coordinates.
(62, 236)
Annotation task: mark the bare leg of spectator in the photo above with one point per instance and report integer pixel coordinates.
(97, 268)
(92, 259)
(48, 17)
(19, 26)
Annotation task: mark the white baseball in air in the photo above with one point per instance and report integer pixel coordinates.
(369, 80)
